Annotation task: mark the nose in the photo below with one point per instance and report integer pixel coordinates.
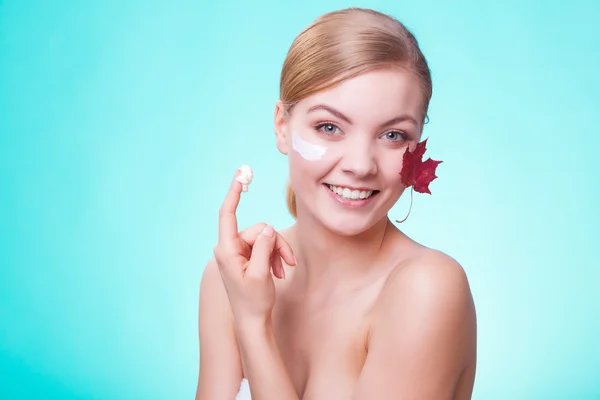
(359, 159)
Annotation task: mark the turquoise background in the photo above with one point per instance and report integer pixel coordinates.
(121, 123)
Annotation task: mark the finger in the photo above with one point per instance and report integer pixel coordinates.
(228, 228)
(250, 235)
(260, 260)
(277, 266)
(228, 258)
(285, 250)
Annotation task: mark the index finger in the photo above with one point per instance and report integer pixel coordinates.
(228, 228)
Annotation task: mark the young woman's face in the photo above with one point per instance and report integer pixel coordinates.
(345, 148)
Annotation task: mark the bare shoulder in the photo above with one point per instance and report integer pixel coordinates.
(429, 275)
(212, 291)
(428, 295)
(213, 301)
(422, 337)
(211, 277)
(220, 371)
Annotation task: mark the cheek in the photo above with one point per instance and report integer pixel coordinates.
(300, 167)
(307, 157)
(390, 167)
(389, 171)
(310, 147)
(304, 174)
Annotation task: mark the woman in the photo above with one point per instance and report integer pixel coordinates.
(341, 305)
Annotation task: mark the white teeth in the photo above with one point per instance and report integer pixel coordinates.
(350, 194)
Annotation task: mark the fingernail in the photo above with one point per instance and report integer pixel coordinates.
(268, 231)
(295, 259)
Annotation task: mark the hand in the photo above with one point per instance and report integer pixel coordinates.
(246, 260)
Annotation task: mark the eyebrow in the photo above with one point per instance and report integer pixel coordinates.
(341, 116)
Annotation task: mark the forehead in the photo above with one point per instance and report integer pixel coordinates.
(372, 97)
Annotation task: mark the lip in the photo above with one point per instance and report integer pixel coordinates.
(351, 203)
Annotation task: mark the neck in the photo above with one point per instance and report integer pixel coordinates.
(328, 260)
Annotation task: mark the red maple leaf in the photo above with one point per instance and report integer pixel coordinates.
(416, 172)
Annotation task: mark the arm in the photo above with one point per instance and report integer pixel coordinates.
(423, 333)
(220, 366)
(267, 375)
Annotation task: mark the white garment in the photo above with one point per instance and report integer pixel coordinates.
(244, 393)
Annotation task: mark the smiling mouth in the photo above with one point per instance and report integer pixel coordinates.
(351, 194)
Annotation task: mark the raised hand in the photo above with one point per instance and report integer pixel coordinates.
(248, 260)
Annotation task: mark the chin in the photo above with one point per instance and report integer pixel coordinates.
(348, 226)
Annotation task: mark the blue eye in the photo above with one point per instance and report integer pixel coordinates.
(395, 136)
(327, 128)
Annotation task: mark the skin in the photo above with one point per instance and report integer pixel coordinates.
(364, 311)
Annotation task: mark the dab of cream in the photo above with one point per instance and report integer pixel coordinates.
(245, 177)
(309, 151)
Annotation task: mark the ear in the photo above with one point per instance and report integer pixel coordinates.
(281, 127)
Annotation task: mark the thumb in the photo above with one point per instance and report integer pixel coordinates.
(260, 260)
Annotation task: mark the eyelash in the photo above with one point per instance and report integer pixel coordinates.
(320, 125)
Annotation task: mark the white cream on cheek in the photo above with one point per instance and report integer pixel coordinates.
(308, 151)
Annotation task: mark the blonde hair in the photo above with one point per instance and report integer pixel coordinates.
(341, 45)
